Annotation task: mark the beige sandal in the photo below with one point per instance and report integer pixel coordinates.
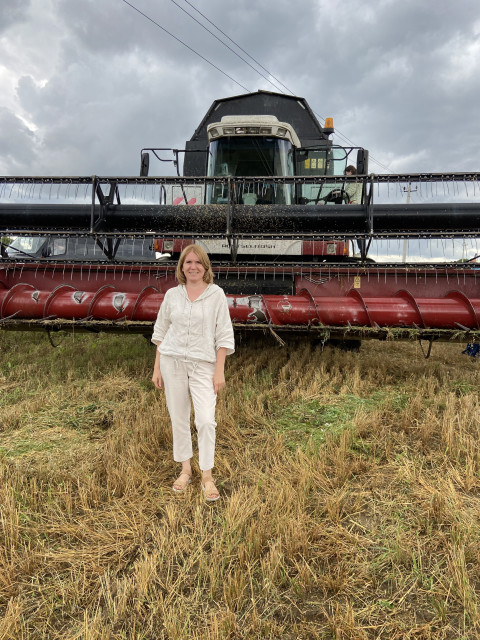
(213, 494)
(179, 486)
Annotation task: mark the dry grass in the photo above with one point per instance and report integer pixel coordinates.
(350, 497)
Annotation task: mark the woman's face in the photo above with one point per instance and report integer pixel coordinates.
(193, 268)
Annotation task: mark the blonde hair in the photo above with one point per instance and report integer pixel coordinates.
(204, 259)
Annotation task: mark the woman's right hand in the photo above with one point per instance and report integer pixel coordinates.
(157, 378)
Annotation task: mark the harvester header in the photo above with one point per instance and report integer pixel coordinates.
(288, 225)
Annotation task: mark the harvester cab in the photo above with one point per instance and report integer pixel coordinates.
(265, 149)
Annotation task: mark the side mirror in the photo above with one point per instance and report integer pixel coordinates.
(144, 164)
(362, 162)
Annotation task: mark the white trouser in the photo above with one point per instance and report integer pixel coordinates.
(181, 380)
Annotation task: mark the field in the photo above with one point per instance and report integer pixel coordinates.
(350, 496)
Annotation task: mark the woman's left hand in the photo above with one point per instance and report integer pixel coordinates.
(218, 381)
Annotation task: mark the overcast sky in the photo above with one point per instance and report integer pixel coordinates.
(87, 83)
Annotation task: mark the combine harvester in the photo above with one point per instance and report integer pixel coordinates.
(263, 190)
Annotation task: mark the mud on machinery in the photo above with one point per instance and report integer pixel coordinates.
(263, 190)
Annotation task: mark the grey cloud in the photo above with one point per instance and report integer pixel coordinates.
(11, 12)
(93, 126)
(17, 144)
(107, 82)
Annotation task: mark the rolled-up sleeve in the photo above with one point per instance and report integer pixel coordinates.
(162, 322)
(224, 329)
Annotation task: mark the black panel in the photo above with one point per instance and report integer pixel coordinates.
(195, 161)
(249, 285)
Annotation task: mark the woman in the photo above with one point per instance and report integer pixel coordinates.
(193, 334)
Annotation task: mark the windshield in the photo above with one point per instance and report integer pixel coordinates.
(251, 157)
(27, 245)
(319, 161)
